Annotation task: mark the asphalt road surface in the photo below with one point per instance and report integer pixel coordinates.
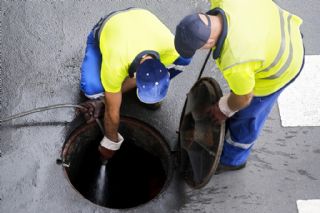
(42, 45)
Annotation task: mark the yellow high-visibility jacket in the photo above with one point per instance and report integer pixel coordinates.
(125, 34)
(263, 48)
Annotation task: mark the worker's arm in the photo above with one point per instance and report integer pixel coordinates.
(238, 102)
(128, 84)
(182, 61)
(112, 140)
(228, 105)
(241, 80)
(112, 115)
(178, 66)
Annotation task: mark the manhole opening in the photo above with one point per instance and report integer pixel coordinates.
(137, 173)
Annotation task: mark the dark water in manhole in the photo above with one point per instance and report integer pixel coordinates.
(132, 177)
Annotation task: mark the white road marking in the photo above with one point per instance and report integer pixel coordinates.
(308, 206)
(299, 103)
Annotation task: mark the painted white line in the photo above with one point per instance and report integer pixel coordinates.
(308, 206)
(299, 103)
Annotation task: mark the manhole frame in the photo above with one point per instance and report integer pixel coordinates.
(75, 130)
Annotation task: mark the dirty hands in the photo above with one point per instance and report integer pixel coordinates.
(108, 147)
(92, 109)
(220, 111)
(217, 115)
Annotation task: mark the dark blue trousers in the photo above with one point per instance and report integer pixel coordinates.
(244, 127)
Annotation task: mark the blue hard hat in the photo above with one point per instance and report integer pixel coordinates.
(153, 81)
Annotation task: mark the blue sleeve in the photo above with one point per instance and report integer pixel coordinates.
(173, 72)
(182, 61)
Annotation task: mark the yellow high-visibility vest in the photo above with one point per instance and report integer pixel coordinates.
(124, 35)
(264, 37)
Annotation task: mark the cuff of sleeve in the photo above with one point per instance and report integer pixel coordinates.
(109, 144)
(224, 107)
(182, 61)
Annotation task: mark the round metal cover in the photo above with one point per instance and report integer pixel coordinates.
(201, 139)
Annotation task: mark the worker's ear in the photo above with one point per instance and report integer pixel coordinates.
(210, 40)
(210, 44)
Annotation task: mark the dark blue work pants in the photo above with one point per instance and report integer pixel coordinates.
(244, 127)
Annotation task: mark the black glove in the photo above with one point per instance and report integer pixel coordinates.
(92, 109)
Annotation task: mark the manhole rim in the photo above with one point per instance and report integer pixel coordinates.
(77, 130)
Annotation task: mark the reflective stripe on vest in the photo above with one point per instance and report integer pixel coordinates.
(282, 48)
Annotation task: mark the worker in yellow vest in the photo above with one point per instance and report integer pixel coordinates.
(126, 49)
(258, 48)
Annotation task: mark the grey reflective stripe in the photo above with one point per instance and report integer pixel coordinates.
(281, 49)
(237, 144)
(242, 62)
(282, 45)
(111, 15)
(289, 59)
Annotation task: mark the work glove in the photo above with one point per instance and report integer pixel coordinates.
(92, 109)
(216, 114)
(220, 111)
(107, 147)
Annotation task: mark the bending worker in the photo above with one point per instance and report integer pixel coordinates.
(259, 50)
(126, 49)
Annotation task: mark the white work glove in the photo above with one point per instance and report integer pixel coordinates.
(108, 147)
(219, 112)
(224, 107)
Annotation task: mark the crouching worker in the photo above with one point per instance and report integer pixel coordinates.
(126, 49)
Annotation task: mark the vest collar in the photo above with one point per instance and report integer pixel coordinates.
(136, 61)
(216, 53)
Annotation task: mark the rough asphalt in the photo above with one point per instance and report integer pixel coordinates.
(42, 45)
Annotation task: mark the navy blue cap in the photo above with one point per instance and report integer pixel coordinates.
(153, 81)
(191, 34)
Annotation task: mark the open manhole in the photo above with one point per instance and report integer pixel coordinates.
(143, 167)
(137, 173)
